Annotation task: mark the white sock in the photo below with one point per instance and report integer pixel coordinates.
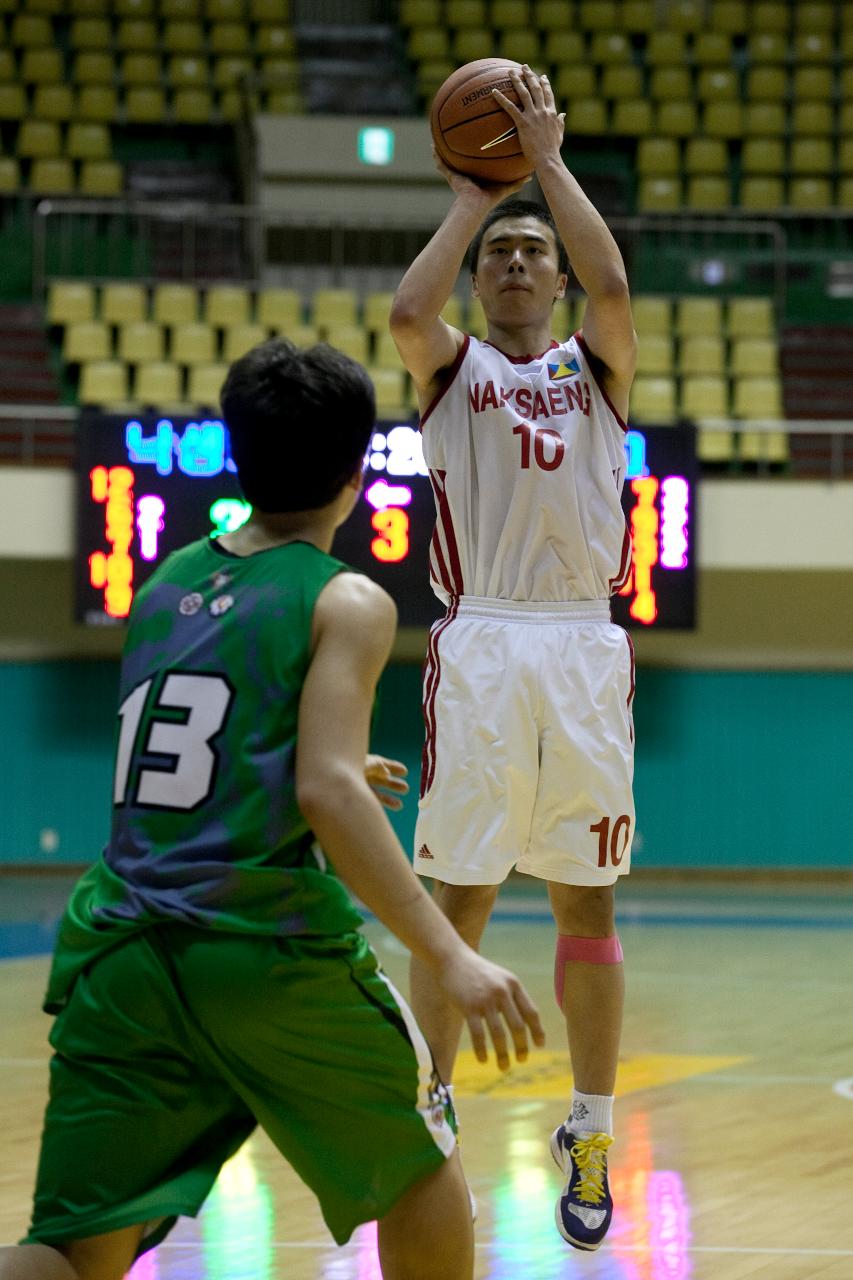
(591, 1113)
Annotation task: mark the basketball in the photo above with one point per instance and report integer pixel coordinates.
(472, 134)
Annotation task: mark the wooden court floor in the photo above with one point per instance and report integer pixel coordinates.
(734, 1121)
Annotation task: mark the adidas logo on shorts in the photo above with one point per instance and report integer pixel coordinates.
(424, 852)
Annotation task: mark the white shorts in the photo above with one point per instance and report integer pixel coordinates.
(529, 753)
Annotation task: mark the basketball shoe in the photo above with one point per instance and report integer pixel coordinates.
(585, 1207)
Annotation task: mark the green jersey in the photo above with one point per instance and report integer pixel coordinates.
(206, 828)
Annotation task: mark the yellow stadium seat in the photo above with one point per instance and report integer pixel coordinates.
(270, 10)
(419, 13)
(123, 303)
(813, 83)
(509, 13)
(763, 447)
(42, 66)
(87, 8)
(729, 16)
(706, 155)
(564, 48)
(767, 46)
(715, 84)
(845, 193)
(712, 49)
(845, 84)
(134, 8)
(761, 193)
(236, 104)
(521, 45)
(812, 46)
(428, 43)
(763, 155)
(187, 72)
(275, 42)
(174, 304)
(547, 13)
(93, 68)
(715, 446)
(815, 17)
(756, 357)
(677, 119)
(654, 355)
(723, 119)
(301, 335)
(764, 120)
(638, 17)
(659, 195)
(699, 317)
(587, 116)
(10, 175)
(96, 103)
(811, 156)
(757, 398)
(88, 142)
(141, 342)
(666, 83)
(431, 75)
(658, 158)
(159, 384)
(13, 102)
(53, 102)
(390, 388)
(284, 102)
(562, 319)
(702, 354)
(183, 37)
(90, 33)
(86, 340)
(705, 397)
(475, 321)
(666, 48)
(30, 30)
(103, 382)
(230, 72)
(845, 119)
(451, 312)
(686, 15)
(812, 118)
(8, 65)
(377, 310)
(462, 13)
(652, 316)
(140, 69)
(750, 318)
(621, 81)
(844, 155)
(180, 10)
(102, 179)
(598, 15)
(707, 192)
(770, 15)
(193, 343)
(224, 10)
(810, 194)
(766, 84)
(351, 339)
(845, 43)
(653, 400)
(631, 118)
(472, 43)
(38, 139)
(70, 302)
(192, 106)
(52, 7)
(609, 47)
(205, 384)
(333, 307)
(226, 305)
(240, 338)
(279, 309)
(385, 353)
(137, 35)
(575, 80)
(145, 104)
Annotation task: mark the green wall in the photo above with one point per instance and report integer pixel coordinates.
(734, 769)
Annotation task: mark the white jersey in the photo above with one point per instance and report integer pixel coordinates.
(527, 460)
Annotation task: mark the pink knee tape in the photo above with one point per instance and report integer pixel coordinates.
(588, 951)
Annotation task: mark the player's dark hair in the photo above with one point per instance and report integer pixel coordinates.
(514, 208)
(299, 422)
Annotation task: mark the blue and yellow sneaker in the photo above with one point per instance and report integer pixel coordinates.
(585, 1207)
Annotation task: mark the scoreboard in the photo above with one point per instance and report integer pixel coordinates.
(147, 485)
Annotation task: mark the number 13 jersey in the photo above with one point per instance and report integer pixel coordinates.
(527, 460)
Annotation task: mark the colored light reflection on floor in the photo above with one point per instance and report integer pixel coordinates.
(238, 1224)
(145, 1269)
(651, 1223)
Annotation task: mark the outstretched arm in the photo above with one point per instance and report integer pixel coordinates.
(426, 343)
(354, 622)
(594, 255)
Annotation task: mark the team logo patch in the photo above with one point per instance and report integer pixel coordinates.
(565, 369)
(190, 604)
(221, 605)
(424, 852)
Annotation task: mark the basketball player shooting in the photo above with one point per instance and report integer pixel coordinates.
(528, 760)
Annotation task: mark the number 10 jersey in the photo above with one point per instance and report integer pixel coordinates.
(527, 461)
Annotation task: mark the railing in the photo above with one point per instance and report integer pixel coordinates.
(46, 435)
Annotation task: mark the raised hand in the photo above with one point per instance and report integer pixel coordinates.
(539, 124)
(490, 192)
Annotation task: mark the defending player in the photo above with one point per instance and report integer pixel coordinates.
(528, 685)
(209, 973)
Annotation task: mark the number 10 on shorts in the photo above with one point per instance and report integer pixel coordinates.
(613, 838)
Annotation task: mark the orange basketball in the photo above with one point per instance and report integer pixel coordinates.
(472, 133)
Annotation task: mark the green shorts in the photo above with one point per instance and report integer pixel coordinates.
(176, 1043)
